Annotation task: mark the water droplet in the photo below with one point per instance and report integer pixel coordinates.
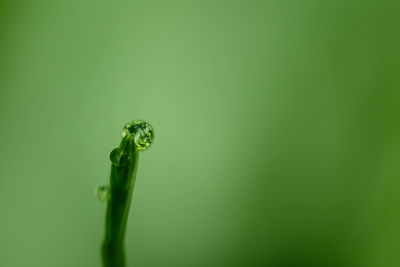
(142, 132)
(103, 193)
(118, 157)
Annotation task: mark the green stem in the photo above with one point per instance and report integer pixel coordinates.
(122, 181)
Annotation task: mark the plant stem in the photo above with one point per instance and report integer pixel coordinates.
(122, 181)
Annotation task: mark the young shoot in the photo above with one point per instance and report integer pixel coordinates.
(137, 136)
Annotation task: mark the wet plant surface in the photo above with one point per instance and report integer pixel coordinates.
(137, 136)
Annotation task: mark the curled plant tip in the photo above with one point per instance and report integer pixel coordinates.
(136, 136)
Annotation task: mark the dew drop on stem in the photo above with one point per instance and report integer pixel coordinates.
(103, 193)
(118, 157)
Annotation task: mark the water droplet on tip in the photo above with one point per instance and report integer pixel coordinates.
(142, 133)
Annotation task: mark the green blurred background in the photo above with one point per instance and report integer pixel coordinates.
(277, 131)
